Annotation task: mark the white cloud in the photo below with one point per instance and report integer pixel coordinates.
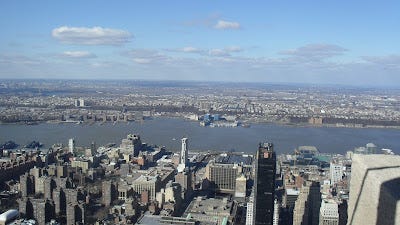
(225, 25)
(78, 54)
(224, 51)
(218, 52)
(387, 61)
(208, 52)
(91, 36)
(191, 50)
(152, 64)
(142, 60)
(17, 59)
(316, 51)
(188, 49)
(146, 56)
(234, 49)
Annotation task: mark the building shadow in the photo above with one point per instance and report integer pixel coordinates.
(389, 195)
(382, 207)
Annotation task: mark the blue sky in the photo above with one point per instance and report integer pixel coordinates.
(339, 42)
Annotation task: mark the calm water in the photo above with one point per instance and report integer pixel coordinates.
(168, 132)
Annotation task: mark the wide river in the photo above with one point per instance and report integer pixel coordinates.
(168, 131)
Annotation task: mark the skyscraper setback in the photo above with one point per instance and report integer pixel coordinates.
(183, 162)
(184, 151)
(264, 184)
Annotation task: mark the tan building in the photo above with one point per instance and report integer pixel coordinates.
(222, 176)
(146, 183)
(124, 191)
(240, 189)
(84, 164)
(374, 190)
(307, 205)
(184, 179)
(39, 185)
(107, 192)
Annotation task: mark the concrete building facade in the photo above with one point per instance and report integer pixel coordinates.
(374, 190)
(329, 213)
(222, 176)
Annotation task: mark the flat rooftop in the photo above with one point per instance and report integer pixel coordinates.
(210, 206)
(162, 220)
(234, 159)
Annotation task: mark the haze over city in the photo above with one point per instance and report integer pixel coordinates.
(341, 42)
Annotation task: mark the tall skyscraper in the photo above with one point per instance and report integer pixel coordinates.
(307, 206)
(42, 211)
(184, 179)
(184, 151)
(264, 184)
(58, 197)
(183, 162)
(250, 210)
(107, 195)
(75, 213)
(48, 186)
(23, 180)
(276, 212)
(93, 147)
(132, 144)
(71, 145)
(336, 172)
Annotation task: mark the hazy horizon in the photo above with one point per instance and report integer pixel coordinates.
(245, 83)
(337, 43)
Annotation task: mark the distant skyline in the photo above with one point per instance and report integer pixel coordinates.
(339, 42)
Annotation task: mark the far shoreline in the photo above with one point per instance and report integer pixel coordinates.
(250, 123)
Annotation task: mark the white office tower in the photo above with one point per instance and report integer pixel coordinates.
(277, 207)
(81, 102)
(183, 162)
(336, 172)
(184, 151)
(374, 190)
(71, 145)
(250, 210)
(329, 213)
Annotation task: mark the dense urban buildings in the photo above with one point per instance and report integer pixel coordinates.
(199, 112)
(93, 101)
